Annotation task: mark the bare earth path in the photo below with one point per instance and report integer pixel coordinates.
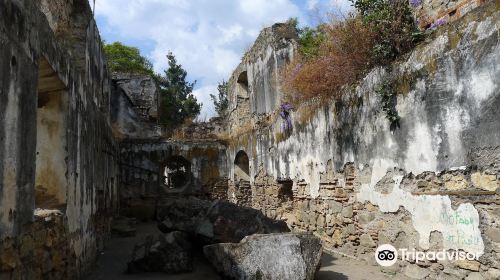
(112, 263)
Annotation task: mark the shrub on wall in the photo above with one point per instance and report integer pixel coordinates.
(380, 31)
(342, 58)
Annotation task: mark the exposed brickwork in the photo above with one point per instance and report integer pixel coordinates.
(356, 229)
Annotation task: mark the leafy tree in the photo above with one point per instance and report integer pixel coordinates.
(177, 101)
(310, 39)
(122, 58)
(221, 102)
(394, 26)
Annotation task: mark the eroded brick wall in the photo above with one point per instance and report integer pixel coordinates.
(355, 228)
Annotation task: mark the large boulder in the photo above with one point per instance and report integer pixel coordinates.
(172, 253)
(217, 221)
(268, 256)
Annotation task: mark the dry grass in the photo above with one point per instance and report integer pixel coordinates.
(343, 58)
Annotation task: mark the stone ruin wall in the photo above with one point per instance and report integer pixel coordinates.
(134, 107)
(346, 175)
(146, 150)
(433, 13)
(142, 177)
(53, 49)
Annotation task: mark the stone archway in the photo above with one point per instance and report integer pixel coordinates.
(176, 172)
(241, 166)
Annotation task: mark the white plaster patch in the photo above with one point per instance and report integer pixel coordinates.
(460, 227)
(455, 121)
(481, 86)
(458, 168)
(485, 29)
(421, 154)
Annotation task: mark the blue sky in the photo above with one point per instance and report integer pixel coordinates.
(208, 37)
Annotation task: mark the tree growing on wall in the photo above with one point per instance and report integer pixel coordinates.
(221, 101)
(310, 38)
(122, 58)
(177, 101)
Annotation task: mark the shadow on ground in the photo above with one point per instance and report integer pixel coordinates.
(329, 261)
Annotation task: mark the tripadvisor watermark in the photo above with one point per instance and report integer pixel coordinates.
(387, 255)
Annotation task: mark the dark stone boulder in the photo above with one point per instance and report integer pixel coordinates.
(172, 253)
(215, 222)
(267, 256)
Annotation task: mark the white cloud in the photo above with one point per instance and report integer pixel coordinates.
(208, 37)
(311, 4)
(203, 96)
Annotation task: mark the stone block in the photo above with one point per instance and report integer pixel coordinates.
(347, 211)
(334, 207)
(366, 241)
(469, 265)
(365, 218)
(261, 256)
(337, 237)
(455, 183)
(493, 234)
(484, 181)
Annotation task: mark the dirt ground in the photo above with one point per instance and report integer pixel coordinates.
(111, 264)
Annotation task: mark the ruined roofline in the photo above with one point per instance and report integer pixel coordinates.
(270, 36)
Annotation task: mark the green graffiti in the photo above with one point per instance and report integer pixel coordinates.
(456, 219)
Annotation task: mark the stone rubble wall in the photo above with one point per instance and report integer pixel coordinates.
(134, 107)
(432, 13)
(142, 92)
(66, 37)
(428, 182)
(143, 162)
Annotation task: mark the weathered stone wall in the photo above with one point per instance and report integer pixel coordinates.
(134, 107)
(203, 172)
(142, 92)
(46, 54)
(429, 181)
(433, 13)
(41, 252)
(255, 82)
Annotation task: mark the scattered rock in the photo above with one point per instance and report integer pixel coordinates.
(268, 256)
(172, 253)
(414, 271)
(219, 221)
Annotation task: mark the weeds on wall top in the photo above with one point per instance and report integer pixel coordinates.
(338, 53)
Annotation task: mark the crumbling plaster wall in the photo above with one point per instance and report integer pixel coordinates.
(448, 102)
(134, 107)
(143, 162)
(91, 174)
(249, 106)
(433, 13)
(142, 92)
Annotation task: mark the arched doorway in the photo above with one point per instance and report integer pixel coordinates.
(241, 167)
(176, 172)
